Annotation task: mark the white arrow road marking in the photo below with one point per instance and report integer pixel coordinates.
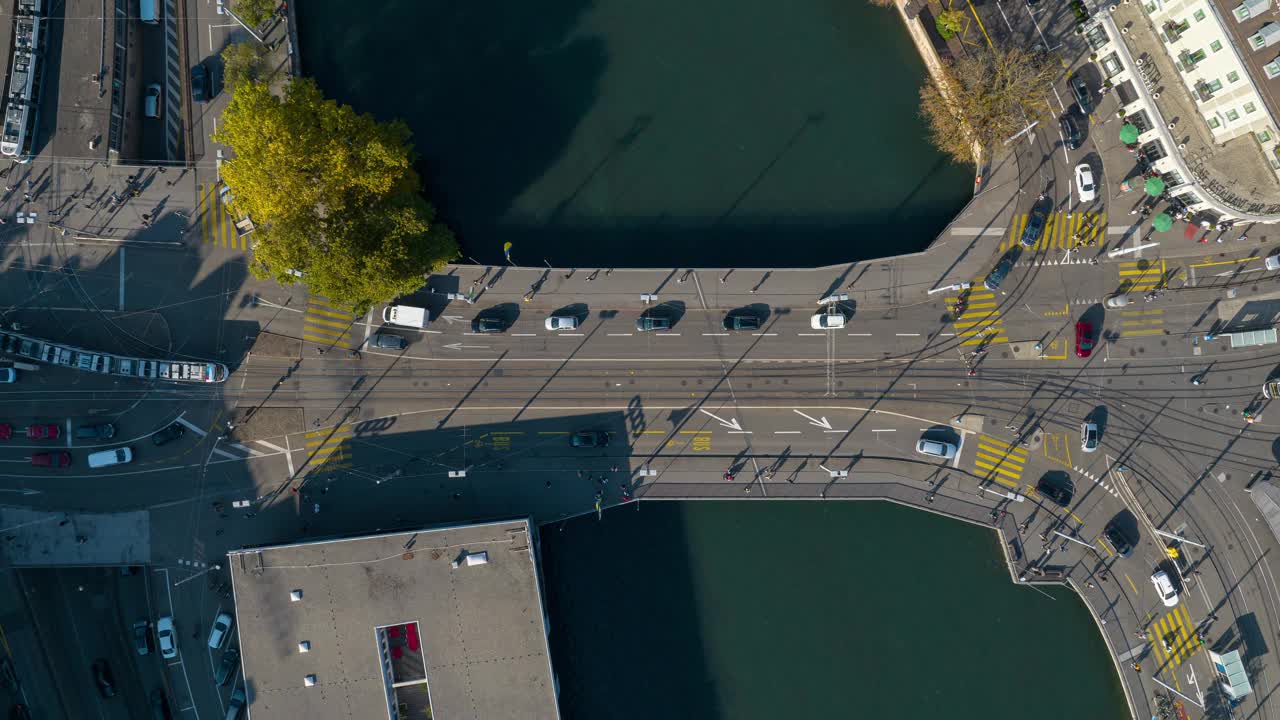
(187, 424)
(818, 423)
(732, 425)
(460, 346)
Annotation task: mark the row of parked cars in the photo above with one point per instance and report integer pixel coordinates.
(96, 431)
(663, 318)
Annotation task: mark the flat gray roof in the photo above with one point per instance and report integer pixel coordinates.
(481, 630)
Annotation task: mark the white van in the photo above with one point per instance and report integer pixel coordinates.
(149, 12)
(405, 316)
(107, 458)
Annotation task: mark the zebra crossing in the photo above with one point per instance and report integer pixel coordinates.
(1002, 461)
(326, 324)
(173, 76)
(329, 449)
(980, 322)
(1061, 231)
(1141, 275)
(217, 224)
(1142, 322)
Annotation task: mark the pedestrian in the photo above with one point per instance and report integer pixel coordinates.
(728, 476)
(929, 497)
(747, 488)
(1137, 667)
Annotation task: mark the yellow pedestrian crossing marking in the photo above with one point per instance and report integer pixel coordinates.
(980, 322)
(329, 449)
(1142, 322)
(1173, 637)
(1002, 462)
(325, 324)
(217, 224)
(1139, 275)
(1061, 231)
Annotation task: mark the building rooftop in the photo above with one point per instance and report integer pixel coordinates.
(387, 625)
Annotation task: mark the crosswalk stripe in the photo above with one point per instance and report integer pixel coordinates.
(325, 312)
(340, 324)
(343, 430)
(331, 333)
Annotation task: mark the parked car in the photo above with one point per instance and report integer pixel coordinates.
(589, 439)
(1080, 90)
(44, 431)
(168, 434)
(936, 448)
(1088, 436)
(165, 637)
(58, 459)
(1035, 227)
(1164, 588)
(1071, 132)
(388, 341)
(151, 101)
(562, 322)
(235, 704)
(102, 676)
(98, 431)
(1271, 389)
(227, 666)
(8, 375)
(6, 431)
(107, 458)
(1085, 188)
(1084, 339)
(1272, 261)
(1058, 492)
(142, 637)
(199, 83)
(741, 322)
(221, 627)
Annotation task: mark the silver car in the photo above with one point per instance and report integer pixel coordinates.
(936, 448)
(1088, 436)
(562, 322)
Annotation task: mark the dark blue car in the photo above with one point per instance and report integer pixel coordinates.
(1035, 226)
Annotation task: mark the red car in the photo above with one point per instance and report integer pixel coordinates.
(1084, 339)
(6, 431)
(43, 432)
(51, 459)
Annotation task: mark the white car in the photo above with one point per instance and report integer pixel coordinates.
(1084, 183)
(562, 322)
(8, 375)
(1088, 436)
(221, 627)
(936, 448)
(164, 635)
(831, 319)
(1164, 588)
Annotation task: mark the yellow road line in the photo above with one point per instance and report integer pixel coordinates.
(695, 432)
(1144, 332)
(340, 324)
(1110, 553)
(324, 311)
(1135, 313)
(1225, 262)
(1131, 585)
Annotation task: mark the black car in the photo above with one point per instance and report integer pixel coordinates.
(100, 431)
(488, 325)
(1071, 133)
(169, 434)
(1081, 92)
(1057, 492)
(102, 676)
(387, 341)
(589, 439)
(652, 321)
(1119, 539)
(1035, 227)
(199, 83)
(999, 272)
(227, 666)
(741, 322)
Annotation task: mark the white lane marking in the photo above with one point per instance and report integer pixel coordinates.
(524, 334)
(740, 432)
(859, 334)
(224, 453)
(288, 456)
(946, 334)
(122, 277)
(835, 431)
(619, 334)
(884, 430)
(187, 424)
(68, 433)
(786, 432)
(955, 462)
(908, 334)
(715, 334)
(368, 326)
(277, 448)
(812, 334)
(569, 335)
(251, 451)
(764, 334)
(667, 334)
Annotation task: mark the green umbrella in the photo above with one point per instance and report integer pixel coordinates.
(1128, 134)
(1155, 187)
(1162, 222)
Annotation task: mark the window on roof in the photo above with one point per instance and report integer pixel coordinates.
(1214, 85)
(1215, 123)
(1216, 45)
(1199, 15)
(1250, 107)
(1264, 137)
(1233, 114)
(1233, 76)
